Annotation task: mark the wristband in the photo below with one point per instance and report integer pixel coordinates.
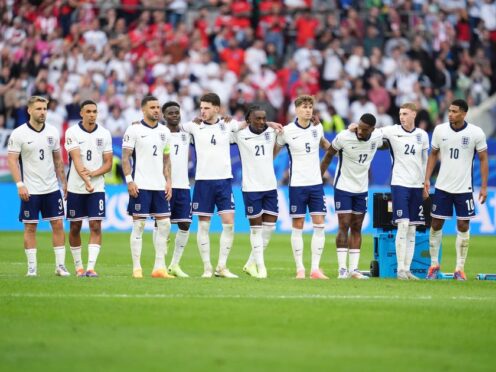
(129, 178)
(20, 184)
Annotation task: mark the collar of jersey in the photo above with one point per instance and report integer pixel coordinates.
(413, 130)
(360, 140)
(146, 125)
(249, 128)
(32, 128)
(459, 130)
(84, 129)
(207, 123)
(299, 126)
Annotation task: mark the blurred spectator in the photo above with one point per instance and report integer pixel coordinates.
(115, 122)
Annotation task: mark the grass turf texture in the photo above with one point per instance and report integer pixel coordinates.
(118, 323)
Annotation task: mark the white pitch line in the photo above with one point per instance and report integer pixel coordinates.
(258, 297)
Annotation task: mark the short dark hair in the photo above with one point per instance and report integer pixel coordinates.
(147, 99)
(251, 109)
(211, 98)
(169, 104)
(87, 102)
(368, 119)
(461, 103)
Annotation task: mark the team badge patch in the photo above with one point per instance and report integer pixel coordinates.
(183, 137)
(293, 208)
(26, 214)
(250, 209)
(195, 206)
(162, 137)
(399, 213)
(419, 138)
(137, 207)
(267, 136)
(373, 145)
(50, 141)
(465, 142)
(72, 212)
(99, 143)
(314, 133)
(222, 127)
(338, 205)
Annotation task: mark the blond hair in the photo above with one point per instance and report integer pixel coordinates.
(409, 106)
(304, 99)
(33, 99)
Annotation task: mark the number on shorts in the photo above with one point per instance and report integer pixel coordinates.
(61, 205)
(470, 205)
(100, 204)
(421, 211)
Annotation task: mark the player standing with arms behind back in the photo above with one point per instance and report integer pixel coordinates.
(38, 145)
(89, 146)
(455, 144)
(149, 183)
(303, 141)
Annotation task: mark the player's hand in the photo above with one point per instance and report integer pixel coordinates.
(86, 172)
(168, 192)
(197, 120)
(132, 189)
(89, 187)
(315, 120)
(276, 126)
(427, 189)
(227, 118)
(353, 127)
(23, 193)
(483, 195)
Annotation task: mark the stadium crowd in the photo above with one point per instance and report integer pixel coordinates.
(353, 56)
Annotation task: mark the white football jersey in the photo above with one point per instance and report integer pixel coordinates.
(355, 157)
(303, 146)
(148, 144)
(92, 146)
(257, 159)
(36, 159)
(212, 147)
(406, 150)
(179, 156)
(456, 152)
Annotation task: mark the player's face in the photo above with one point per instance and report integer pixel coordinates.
(456, 115)
(38, 112)
(208, 111)
(258, 120)
(407, 116)
(304, 111)
(172, 115)
(364, 131)
(88, 114)
(151, 111)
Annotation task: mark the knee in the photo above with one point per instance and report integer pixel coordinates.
(95, 227)
(462, 226)
(184, 226)
(57, 226)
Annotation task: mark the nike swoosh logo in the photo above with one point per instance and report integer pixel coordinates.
(249, 138)
(100, 213)
(354, 147)
(30, 142)
(295, 137)
(445, 139)
(144, 136)
(202, 128)
(81, 143)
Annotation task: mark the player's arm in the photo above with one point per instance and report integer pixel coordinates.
(331, 151)
(83, 172)
(484, 170)
(167, 173)
(132, 188)
(431, 163)
(59, 170)
(278, 127)
(106, 166)
(13, 161)
(324, 144)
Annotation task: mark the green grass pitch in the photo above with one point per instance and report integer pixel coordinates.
(115, 323)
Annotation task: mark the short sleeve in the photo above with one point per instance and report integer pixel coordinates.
(337, 143)
(234, 125)
(108, 143)
(280, 141)
(480, 141)
(425, 141)
(129, 139)
(56, 141)
(435, 139)
(15, 144)
(71, 141)
(385, 131)
(187, 127)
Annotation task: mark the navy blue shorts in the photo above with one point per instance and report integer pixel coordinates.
(51, 207)
(149, 203)
(349, 202)
(407, 205)
(443, 202)
(260, 202)
(81, 206)
(180, 205)
(208, 194)
(302, 196)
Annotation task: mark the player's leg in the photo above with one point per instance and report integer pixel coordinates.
(317, 208)
(298, 201)
(203, 206)
(75, 246)
(52, 209)
(401, 217)
(180, 214)
(224, 200)
(94, 247)
(160, 210)
(253, 211)
(28, 215)
(343, 204)
(442, 209)
(465, 211)
(359, 208)
(139, 208)
(417, 217)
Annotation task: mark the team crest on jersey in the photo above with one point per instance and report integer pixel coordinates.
(50, 140)
(99, 143)
(195, 206)
(293, 208)
(338, 205)
(222, 127)
(314, 133)
(419, 138)
(465, 142)
(399, 212)
(137, 207)
(250, 209)
(72, 212)
(126, 138)
(267, 136)
(373, 145)
(26, 214)
(183, 137)
(162, 137)
(68, 141)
